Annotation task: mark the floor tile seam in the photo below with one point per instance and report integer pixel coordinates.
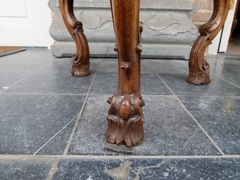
(153, 95)
(53, 169)
(98, 94)
(44, 94)
(81, 111)
(227, 81)
(190, 114)
(224, 74)
(52, 73)
(23, 78)
(201, 95)
(201, 127)
(142, 73)
(55, 135)
(42, 157)
(184, 73)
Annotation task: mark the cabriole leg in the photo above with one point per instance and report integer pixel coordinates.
(125, 116)
(199, 68)
(80, 61)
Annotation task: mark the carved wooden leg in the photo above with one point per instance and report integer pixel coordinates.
(80, 61)
(125, 116)
(199, 68)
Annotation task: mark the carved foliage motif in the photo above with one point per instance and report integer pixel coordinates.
(125, 120)
(80, 61)
(199, 68)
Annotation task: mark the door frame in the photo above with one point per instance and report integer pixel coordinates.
(220, 43)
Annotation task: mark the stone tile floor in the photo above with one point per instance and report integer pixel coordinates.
(52, 124)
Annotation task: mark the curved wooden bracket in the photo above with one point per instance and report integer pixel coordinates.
(80, 61)
(199, 68)
(125, 117)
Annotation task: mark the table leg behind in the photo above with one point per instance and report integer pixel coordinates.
(80, 61)
(199, 68)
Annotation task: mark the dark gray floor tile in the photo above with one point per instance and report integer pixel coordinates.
(27, 122)
(57, 145)
(169, 66)
(27, 61)
(111, 66)
(233, 78)
(60, 66)
(178, 84)
(27, 169)
(89, 136)
(223, 57)
(105, 83)
(20, 68)
(220, 117)
(108, 66)
(168, 130)
(150, 84)
(36, 55)
(148, 169)
(8, 79)
(52, 84)
(224, 66)
(63, 66)
(145, 67)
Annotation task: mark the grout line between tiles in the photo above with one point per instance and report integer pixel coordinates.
(190, 114)
(97, 94)
(80, 113)
(55, 135)
(24, 78)
(53, 169)
(107, 157)
(54, 166)
(224, 74)
(170, 95)
(45, 94)
(227, 81)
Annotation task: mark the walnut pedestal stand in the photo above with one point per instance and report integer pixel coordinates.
(80, 61)
(199, 68)
(125, 119)
(125, 116)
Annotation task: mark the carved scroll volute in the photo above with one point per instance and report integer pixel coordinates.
(125, 119)
(199, 69)
(80, 61)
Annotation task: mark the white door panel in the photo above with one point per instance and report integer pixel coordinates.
(25, 23)
(5, 7)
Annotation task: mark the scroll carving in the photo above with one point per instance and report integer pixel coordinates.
(125, 116)
(80, 61)
(199, 68)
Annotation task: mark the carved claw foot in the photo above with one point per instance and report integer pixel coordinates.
(79, 69)
(200, 77)
(125, 120)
